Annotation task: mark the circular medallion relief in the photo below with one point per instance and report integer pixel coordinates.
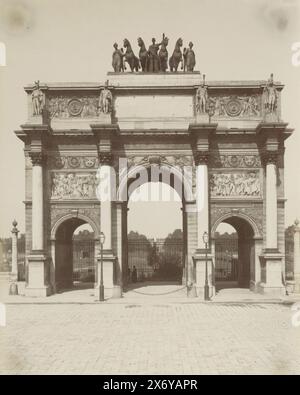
(75, 107)
(233, 108)
(233, 160)
(74, 161)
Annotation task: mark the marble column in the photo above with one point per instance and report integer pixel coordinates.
(297, 256)
(271, 259)
(202, 192)
(106, 194)
(271, 201)
(37, 202)
(37, 262)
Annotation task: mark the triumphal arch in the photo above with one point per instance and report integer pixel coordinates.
(219, 143)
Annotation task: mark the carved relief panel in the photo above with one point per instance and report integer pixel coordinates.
(235, 184)
(66, 106)
(72, 185)
(235, 106)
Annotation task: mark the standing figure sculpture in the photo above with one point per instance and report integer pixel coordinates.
(143, 54)
(130, 57)
(153, 60)
(176, 57)
(202, 98)
(163, 54)
(38, 99)
(117, 59)
(189, 58)
(270, 96)
(105, 100)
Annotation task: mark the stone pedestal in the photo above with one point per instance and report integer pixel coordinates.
(37, 267)
(104, 119)
(271, 281)
(200, 263)
(110, 290)
(271, 117)
(202, 118)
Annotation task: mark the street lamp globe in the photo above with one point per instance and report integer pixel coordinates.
(102, 238)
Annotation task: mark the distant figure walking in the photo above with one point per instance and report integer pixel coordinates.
(134, 275)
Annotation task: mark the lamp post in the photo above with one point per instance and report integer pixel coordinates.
(101, 286)
(206, 286)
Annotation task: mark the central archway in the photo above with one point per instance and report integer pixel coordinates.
(155, 249)
(155, 245)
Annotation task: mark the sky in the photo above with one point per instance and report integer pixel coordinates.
(71, 40)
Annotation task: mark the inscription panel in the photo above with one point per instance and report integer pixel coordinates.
(154, 106)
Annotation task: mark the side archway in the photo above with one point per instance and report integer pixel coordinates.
(239, 268)
(62, 271)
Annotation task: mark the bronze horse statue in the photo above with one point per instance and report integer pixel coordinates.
(143, 54)
(130, 57)
(176, 58)
(163, 54)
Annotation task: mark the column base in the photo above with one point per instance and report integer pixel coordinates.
(266, 289)
(38, 292)
(37, 283)
(272, 276)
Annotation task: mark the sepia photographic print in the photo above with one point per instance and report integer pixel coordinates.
(150, 190)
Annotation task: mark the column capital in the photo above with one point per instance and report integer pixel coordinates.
(202, 157)
(105, 158)
(270, 157)
(37, 158)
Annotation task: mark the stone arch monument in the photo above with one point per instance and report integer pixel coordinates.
(227, 135)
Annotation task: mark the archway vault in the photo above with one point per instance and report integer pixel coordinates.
(70, 216)
(177, 180)
(231, 218)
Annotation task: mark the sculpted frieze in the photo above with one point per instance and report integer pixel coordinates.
(235, 160)
(73, 107)
(235, 106)
(72, 162)
(73, 185)
(171, 160)
(239, 184)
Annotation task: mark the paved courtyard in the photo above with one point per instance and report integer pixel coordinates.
(155, 338)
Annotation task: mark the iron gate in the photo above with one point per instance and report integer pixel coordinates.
(226, 256)
(84, 260)
(159, 259)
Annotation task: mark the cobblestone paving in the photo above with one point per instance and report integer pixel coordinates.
(158, 338)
